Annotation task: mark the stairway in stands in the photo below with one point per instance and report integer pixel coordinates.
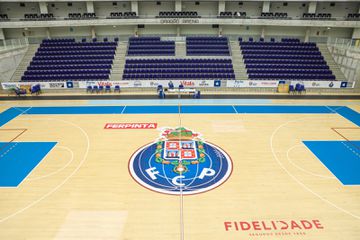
(238, 61)
(32, 48)
(334, 67)
(180, 49)
(119, 62)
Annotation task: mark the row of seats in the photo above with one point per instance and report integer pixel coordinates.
(74, 66)
(81, 16)
(280, 56)
(178, 60)
(180, 76)
(285, 76)
(122, 15)
(207, 46)
(76, 48)
(72, 57)
(73, 53)
(273, 15)
(353, 16)
(287, 66)
(67, 71)
(80, 61)
(284, 61)
(4, 17)
(179, 70)
(202, 68)
(179, 65)
(63, 62)
(65, 77)
(232, 14)
(77, 44)
(182, 14)
(282, 52)
(289, 71)
(42, 16)
(300, 61)
(142, 46)
(280, 48)
(320, 16)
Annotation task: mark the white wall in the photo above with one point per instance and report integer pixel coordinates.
(198, 30)
(152, 9)
(70, 32)
(204, 9)
(117, 30)
(13, 9)
(341, 9)
(253, 31)
(251, 8)
(105, 8)
(158, 30)
(61, 9)
(9, 62)
(333, 32)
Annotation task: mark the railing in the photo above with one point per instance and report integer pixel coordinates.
(343, 43)
(12, 44)
(146, 16)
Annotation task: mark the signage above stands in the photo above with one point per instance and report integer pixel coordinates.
(180, 21)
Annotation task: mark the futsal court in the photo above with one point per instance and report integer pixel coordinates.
(78, 169)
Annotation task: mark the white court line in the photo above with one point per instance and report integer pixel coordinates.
(57, 171)
(302, 169)
(63, 182)
(234, 109)
(123, 110)
(297, 180)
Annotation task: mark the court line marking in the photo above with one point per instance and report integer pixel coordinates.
(58, 170)
(17, 136)
(297, 180)
(341, 135)
(123, 110)
(63, 182)
(302, 169)
(182, 229)
(234, 109)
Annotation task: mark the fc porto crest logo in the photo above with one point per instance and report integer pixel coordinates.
(180, 162)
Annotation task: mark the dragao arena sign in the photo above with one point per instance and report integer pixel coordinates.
(180, 162)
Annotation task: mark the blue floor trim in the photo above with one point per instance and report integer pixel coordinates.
(77, 110)
(342, 158)
(151, 109)
(283, 109)
(222, 109)
(18, 159)
(350, 115)
(191, 109)
(8, 115)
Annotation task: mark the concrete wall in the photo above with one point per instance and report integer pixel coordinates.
(251, 8)
(14, 10)
(152, 9)
(341, 9)
(9, 62)
(203, 9)
(105, 8)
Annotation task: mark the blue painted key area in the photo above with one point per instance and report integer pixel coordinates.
(342, 158)
(18, 159)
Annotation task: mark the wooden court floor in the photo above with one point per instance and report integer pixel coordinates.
(82, 189)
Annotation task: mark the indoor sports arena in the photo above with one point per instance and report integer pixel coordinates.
(179, 120)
